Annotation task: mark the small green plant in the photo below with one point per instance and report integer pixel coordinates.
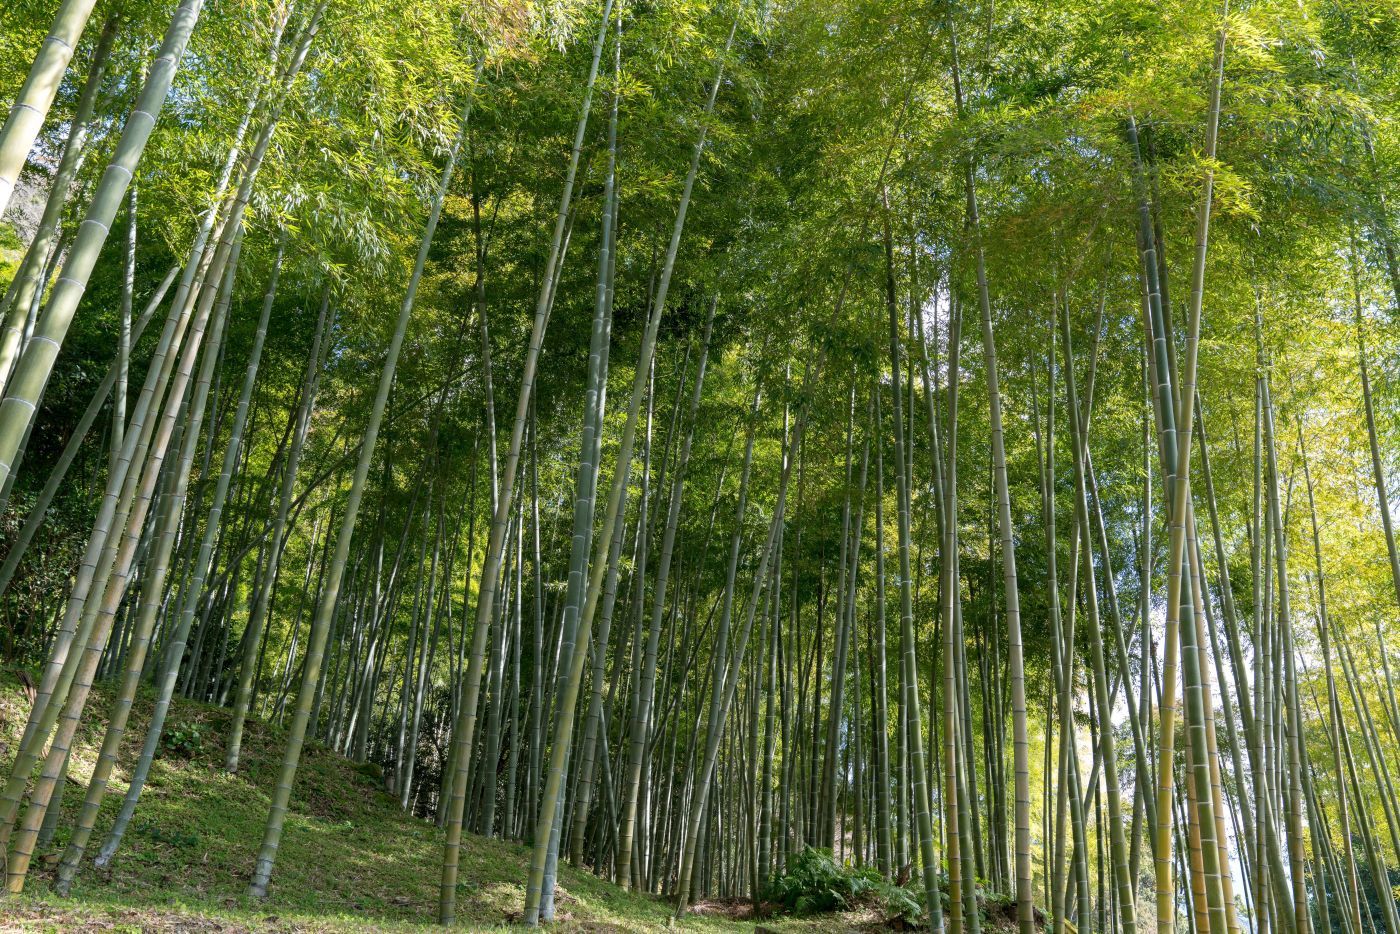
(9, 238)
(11, 251)
(154, 832)
(182, 742)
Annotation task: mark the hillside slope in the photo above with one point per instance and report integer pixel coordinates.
(349, 860)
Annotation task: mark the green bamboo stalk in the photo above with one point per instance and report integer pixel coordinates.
(186, 606)
(32, 371)
(325, 610)
(39, 510)
(589, 450)
(1124, 889)
(1184, 388)
(908, 644)
(276, 539)
(31, 107)
(211, 315)
(153, 588)
(26, 283)
(948, 612)
(564, 715)
(96, 561)
(727, 688)
(464, 725)
(1016, 663)
(1292, 713)
(828, 791)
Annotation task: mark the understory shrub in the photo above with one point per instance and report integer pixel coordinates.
(814, 883)
(183, 741)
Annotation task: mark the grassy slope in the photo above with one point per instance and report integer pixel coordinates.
(349, 859)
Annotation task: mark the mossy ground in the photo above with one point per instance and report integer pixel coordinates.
(350, 860)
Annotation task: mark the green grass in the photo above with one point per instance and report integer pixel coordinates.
(350, 859)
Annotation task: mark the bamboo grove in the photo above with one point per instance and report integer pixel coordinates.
(677, 434)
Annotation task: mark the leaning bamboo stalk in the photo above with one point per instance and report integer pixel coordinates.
(464, 725)
(80, 612)
(276, 538)
(210, 315)
(32, 371)
(564, 716)
(184, 607)
(1054, 835)
(121, 492)
(594, 396)
(153, 591)
(111, 512)
(325, 610)
(31, 107)
(1184, 388)
(39, 510)
(949, 598)
(1294, 750)
(1122, 880)
(728, 688)
(23, 289)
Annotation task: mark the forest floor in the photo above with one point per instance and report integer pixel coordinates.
(349, 860)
